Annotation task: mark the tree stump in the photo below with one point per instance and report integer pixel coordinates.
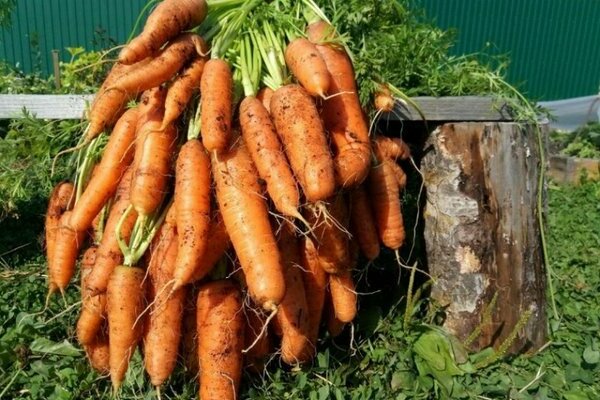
(482, 233)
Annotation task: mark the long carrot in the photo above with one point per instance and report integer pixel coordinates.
(392, 148)
(163, 333)
(66, 249)
(246, 218)
(342, 114)
(362, 223)
(192, 202)
(98, 352)
(216, 87)
(60, 199)
(301, 131)
(117, 156)
(153, 168)
(343, 296)
(181, 90)
(315, 286)
(264, 95)
(148, 74)
(109, 254)
(93, 308)
(293, 311)
(189, 338)
(265, 149)
(307, 65)
(125, 303)
(168, 19)
(217, 246)
(220, 339)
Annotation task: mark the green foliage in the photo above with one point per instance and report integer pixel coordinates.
(583, 142)
(6, 9)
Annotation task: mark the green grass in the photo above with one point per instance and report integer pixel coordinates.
(40, 359)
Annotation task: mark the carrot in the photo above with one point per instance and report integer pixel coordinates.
(168, 19)
(335, 327)
(293, 311)
(125, 303)
(109, 253)
(93, 308)
(216, 87)
(330, 228)
(342, 114)
(384, 192)
(392, 148)
(264, 95)
(215, 249)
(246, 219)
(66, 248)
(60, 199)
(192, 201)
(181, 91)
(307, 65)
(265, 149)
(255, 357)
(315, 286)
(163, 334)
(343, 296)
(98, 353)
(108, 104)
(153, 167)
(117, 156)
(305, 144)
(384, 101)
(220, 339)
(152, 107)
(362, 223)
(148, 74)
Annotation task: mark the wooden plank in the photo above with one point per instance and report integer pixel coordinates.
(451, 109)
(44, 106)
(567, 169)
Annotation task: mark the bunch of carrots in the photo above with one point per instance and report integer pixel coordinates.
(239, 182)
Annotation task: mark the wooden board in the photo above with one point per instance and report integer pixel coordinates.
(464, 108)
(566, 169)
(467, 108)
(482, 234)
(44, 106)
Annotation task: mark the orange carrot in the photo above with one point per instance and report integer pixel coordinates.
(265, 148)
(217, 245)
(117, 156)
(216, 87)
(181, 91)
(93, 308)
(315, 286)
(148, 74)
(246, 219)
(293, 311)
(163, 334)
(335, 327)
(125, 303)
(109, 253)
(362, 223)
(384, 192)
(264, 95)
(60, 199)
(392, 148)
(151, 107)
(220, 339)
(343, 296)
(307, 65)
(98, 353)
(153, 167)
(342, 114)
(330, 227)
(66, 248)
(189, 338)
(168, 19)
(192, 201)
(384, 101)
(301, 131)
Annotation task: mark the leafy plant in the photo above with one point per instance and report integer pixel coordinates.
(583, 142)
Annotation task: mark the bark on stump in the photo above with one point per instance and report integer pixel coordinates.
(481, 231)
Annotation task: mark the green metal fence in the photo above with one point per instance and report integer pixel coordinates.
(554, 45)
(40, 26)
